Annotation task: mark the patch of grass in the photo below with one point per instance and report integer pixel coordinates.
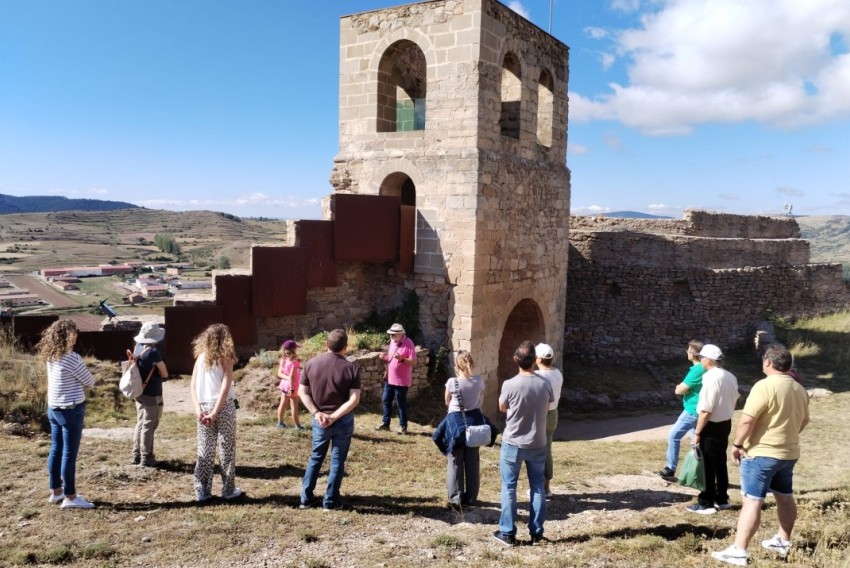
(61, 554)
(447, 541)
(97, 551)
(308, 537)
(29, 513)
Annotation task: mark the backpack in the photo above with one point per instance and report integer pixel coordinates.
(131, 384)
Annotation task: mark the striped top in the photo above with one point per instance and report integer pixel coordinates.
(65, 380)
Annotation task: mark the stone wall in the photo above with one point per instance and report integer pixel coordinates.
(639, 290)
(372, 376)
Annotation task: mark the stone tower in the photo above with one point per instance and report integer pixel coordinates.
(460, 108)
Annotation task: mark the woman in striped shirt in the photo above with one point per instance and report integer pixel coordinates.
(66, 408)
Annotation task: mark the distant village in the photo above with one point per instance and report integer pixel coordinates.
(144, 281)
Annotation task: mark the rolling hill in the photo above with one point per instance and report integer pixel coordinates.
(29, 241)
(829, 236)
(47, 203)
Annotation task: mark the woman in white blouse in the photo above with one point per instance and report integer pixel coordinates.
(66, 410)
(214, 399)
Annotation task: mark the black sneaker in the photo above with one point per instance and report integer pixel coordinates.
(385, 427)
(338, 506)
(536, 539)
(402, 431)
(667, 474)
(505, 539)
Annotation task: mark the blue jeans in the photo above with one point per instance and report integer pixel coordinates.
(760, 475)
(683, 425)
(400, 394)
(66, 431)
(337, 436)
(510, 463)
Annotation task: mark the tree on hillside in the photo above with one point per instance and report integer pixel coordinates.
(166, 243)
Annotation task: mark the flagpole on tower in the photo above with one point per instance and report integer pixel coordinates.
(550, 16)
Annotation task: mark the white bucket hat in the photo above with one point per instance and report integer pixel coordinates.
(150, 334)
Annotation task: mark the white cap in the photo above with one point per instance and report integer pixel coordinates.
(544, 351)
(712, 352)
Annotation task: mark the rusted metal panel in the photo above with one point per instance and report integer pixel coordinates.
(279, 281)
(105, 345)
(233, 292)
(28, 329)
(318, 238)
(182, 325)
(366, 227)
(407, 238)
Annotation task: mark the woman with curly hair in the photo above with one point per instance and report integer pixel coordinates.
(213, 397)
(66, 409)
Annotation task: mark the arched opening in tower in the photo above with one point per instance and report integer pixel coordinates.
(524, 322)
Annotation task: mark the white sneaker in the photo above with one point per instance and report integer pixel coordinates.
(778, 545)
(236, 493)
(732, 555)
(53, 499)
(76, 503)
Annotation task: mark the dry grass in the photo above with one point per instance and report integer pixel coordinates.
(610, 509)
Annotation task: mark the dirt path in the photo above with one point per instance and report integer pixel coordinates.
(628, 429)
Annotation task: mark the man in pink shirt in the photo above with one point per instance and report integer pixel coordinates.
(400, 357)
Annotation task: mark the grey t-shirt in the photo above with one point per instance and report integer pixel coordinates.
(527, 399)
(470, 391)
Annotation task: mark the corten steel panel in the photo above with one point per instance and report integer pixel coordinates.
(279, 281)
(233, 293)
(366, 227)
(28, 329)
(318, 238)
(407, 238)
(105, 345)
(182, 325)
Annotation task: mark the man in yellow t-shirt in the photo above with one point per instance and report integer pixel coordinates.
(767, 445)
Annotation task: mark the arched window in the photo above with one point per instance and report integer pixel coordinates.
(511, 96)
(545, 109)
(401, 88)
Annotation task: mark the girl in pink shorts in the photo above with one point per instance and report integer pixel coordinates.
(288, 372)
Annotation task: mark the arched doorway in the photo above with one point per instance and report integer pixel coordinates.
(524, 322)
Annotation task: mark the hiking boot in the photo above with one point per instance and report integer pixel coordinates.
(668, 474)
(732, 555)
(385, 427)
(136, 460)
(504, 539)
(778, 545)
(701, 509)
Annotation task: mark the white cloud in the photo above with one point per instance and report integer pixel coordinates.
(589, 210)
(625, 5)
(699, 61)
(520, 9)
(596, 33)
(577, 149)
(239, 201)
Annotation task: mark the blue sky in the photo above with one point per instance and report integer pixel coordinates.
(232, 106)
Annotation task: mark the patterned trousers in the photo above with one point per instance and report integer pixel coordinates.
(222, 432)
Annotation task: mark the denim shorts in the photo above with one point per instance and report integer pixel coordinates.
(760, 475)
